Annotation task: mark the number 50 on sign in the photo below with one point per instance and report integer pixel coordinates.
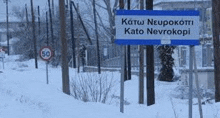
(46, 53)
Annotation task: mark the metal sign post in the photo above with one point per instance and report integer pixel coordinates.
(47, 72)
(46, 53)
(3, 63)
(2, 59)
(123, 48)
(190, 80)
(2, 56)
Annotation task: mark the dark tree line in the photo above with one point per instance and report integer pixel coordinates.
(25, 45)
(24, 32)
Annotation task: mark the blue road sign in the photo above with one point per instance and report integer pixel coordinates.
(156, 27)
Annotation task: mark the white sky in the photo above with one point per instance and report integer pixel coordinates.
(157, 1)
(21, 3)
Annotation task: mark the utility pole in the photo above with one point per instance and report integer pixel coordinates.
(129, 51)
(39, 28)
(97, 38)
(126, 53)
(47, 27)
(27, 23)
(216, 36)
(51, 26)
(27, 29)
(150, 66)
(125, 64)
(65, 68)
(7, 26)
(78, 41)
(72, 34)
(53, 7)
(34, 36)
(123, 49)
(141, 66)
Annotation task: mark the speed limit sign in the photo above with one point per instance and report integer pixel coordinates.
(46, 53)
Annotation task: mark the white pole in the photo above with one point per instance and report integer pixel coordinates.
(122, 79)
(72, 61)
(190, 80)
(3, 63)
(47, 72)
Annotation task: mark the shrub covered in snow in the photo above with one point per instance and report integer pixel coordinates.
(182, 92)
(92, 87)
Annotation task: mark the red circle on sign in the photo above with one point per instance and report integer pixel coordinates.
(2, 50)
(46, 53)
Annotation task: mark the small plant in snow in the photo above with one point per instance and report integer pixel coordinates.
(92, 87)
(182, 92)
(174, 110)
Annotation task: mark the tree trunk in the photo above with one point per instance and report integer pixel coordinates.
(216, 31)
(97, 39)
(65, 68)
(150, 65)
(34, 36)
(141, 66)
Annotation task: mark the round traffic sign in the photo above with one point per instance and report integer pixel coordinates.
(2, 50)
(46, 53)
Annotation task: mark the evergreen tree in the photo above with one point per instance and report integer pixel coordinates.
(167, 62)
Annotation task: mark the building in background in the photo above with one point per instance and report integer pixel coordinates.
(204, 52)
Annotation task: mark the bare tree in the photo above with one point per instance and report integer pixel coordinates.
(34, 35)
(111, 16)
(97, 38)
(106, 30)
(6, 1)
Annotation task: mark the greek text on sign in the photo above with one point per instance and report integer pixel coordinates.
(142, 27)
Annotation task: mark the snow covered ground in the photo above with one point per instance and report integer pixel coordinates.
(25, 94)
